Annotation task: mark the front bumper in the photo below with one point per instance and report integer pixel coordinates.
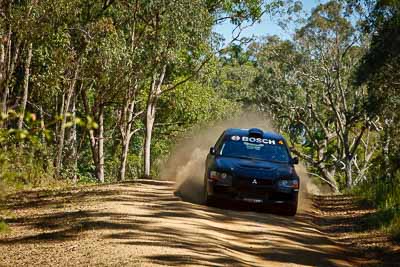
(260, 194)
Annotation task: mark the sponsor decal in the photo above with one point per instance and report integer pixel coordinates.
(256, 140)
(235, 138)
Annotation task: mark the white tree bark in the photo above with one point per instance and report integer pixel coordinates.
(100, 146)
(72, 143)
(150, 117)
(155, 92)
(26, 86)
(2, 63)
(11, 60)
(61, 139)
(127, 118)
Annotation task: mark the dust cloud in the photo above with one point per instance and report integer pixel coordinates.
(186, 163)
(307, 188)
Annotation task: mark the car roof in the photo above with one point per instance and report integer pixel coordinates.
(245, 132)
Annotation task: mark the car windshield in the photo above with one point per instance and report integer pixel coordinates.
(261, 151)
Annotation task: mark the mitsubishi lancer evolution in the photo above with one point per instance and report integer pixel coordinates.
(252, 166)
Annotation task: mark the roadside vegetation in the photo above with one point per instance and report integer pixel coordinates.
(99, 91)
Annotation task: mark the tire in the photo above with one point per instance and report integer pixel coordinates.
(264, 208)
(206, 198)
(290, 209)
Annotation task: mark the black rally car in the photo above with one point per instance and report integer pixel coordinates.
(252, 166)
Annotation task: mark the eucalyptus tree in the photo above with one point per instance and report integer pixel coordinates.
(15, 18)
(335, 47)
(235, 74)
(106, 79)
(177, 32)
(78, 50)
(379, 71)
(112, 61)
(307, 84)
(179, 41)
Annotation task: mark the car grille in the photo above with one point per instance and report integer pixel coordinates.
(245, 181)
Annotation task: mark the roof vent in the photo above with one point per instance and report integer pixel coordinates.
(255, 132)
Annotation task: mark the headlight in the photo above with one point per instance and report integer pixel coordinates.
(214, 175)
(286, 183)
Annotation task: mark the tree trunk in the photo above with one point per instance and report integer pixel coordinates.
(155, 91)
(150, 117)
(386, 151)
(92, 139)
(42, 125)
(127, 118)
(2, 63)
(329, 175)
(26, 87)
(11, 62)
(126, 139)
(349, 173)
(72, 143)
(126, 121)
(64, 121)
(124, 157)
(100, 147)
(350, 150)
(2, 70)
(4, 86)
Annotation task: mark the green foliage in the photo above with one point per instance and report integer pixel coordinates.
(387, 220)
(378, 71)
(385, 196)
(91, 58)
(104, 58)
(25, 168)
(134, 166)
(194, 103)
(191, 105)
(24, 159)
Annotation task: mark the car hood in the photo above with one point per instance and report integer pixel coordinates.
(254, 168)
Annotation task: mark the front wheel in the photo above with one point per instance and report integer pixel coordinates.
(290, 209)
(207, 200)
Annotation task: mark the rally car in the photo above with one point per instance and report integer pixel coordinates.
(253, 166)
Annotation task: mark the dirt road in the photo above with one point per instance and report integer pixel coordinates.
(144, 224)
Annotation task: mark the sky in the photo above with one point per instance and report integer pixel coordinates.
(267, 26)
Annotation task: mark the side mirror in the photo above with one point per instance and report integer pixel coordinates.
(212, 151)
(295, 160)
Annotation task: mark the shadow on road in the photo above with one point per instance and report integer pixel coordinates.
(146, 221)
(355, 224)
